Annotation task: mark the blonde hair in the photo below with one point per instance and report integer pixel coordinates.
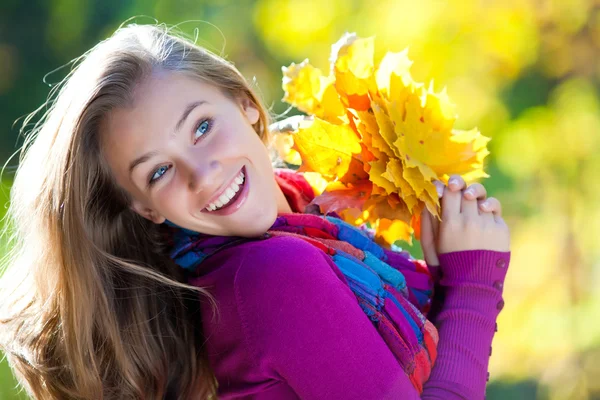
(91, 306)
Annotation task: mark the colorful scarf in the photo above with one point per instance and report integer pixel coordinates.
(392, 289)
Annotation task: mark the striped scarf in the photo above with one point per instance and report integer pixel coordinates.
(392, 289)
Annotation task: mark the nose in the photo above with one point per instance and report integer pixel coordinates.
(203, 174)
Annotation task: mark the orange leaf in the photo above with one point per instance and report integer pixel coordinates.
(356, 170)
(380, 208)
(415, 223)
(388, 231)
(338, 197)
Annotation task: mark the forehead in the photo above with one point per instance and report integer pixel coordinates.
(157, 101)
(164, 88)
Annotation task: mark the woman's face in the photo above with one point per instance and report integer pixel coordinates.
(187, 153)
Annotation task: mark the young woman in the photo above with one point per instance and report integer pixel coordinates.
(156, 254)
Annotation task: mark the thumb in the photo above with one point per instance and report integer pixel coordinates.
(428, 239)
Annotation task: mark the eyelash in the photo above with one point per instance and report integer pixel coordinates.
(196, 127)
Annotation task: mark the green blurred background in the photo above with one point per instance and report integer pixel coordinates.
(526, 72)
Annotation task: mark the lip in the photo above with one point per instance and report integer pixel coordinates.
(237, 203)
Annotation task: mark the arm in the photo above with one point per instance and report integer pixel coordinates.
(472, 280)
(472, 284)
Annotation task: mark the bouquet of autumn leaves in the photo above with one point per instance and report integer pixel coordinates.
(375, 140)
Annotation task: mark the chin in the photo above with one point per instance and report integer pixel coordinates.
(260, 222)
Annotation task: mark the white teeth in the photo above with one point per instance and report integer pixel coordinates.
(228, 194)
(239, 179)
(224, 199)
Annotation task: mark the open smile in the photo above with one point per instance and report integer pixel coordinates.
(229, 199)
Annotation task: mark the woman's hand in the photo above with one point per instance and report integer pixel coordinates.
(470, 221)
(290, 124)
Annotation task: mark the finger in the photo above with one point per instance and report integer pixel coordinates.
(492, 204)
(435, 226)
(428, 239)
(469, 207)
(500, 220)
(439, 187)
(487, 216)
(426, 228)
(451, 203)
(289, 124)
(456, 182)
(476, 191)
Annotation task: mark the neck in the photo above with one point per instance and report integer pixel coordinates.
(282, 204)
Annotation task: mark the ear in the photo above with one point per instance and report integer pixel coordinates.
(148, 213)
(250, 110)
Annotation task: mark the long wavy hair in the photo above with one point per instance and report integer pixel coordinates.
(91, 306)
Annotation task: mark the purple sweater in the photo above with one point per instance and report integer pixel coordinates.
(289, 328)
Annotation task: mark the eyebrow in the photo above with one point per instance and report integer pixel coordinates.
(186, 113)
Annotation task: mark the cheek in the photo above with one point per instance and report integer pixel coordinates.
(172, 198)
(261, 155)
(238, 140)
(255, 148)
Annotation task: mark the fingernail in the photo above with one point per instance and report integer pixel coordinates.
(453, 181)
(469, 192)
(485, 205)
(440, 190)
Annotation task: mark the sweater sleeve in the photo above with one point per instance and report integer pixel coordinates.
(472, 282)
(299, 315)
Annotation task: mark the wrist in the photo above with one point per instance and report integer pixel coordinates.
(474, 266)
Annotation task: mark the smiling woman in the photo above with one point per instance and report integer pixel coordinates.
(158, 255)
(179, 157)
(92, 306)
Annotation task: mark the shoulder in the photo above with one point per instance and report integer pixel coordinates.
(285, 263)
(286, 286)
(282, 249)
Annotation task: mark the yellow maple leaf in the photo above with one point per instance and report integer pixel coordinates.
(353, 66)
(396, 65)
(376, 175)
(369, 131)
(386, 135)
(326, 148)
(394, 172)
(306, 88)
(425, 138)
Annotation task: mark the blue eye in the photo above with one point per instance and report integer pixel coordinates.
(203, 128)
(158, 173)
